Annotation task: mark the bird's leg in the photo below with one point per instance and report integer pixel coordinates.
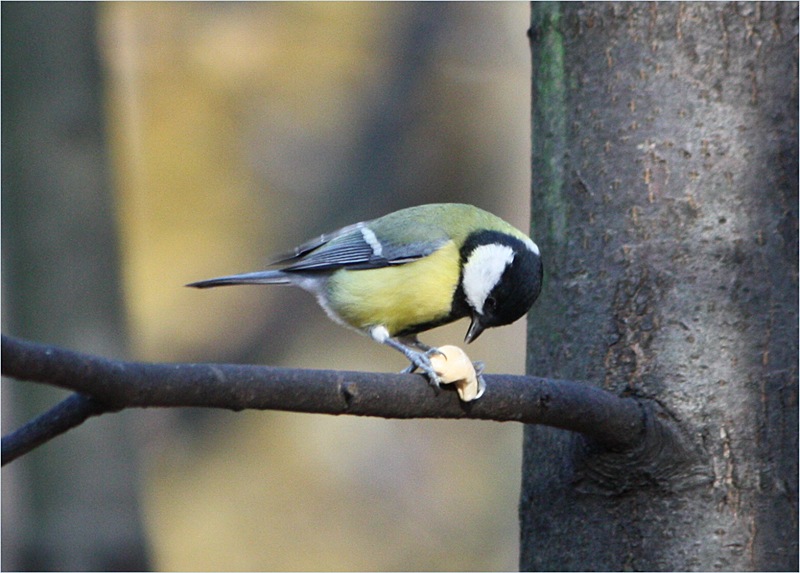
(415, 342)
(419, 358)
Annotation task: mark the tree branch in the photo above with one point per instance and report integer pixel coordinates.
(65, 415)
(110, 385)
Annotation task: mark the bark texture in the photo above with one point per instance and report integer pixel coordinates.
(665, 188)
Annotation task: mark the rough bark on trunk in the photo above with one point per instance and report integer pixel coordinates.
(665, 188)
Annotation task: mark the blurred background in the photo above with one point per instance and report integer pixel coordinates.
(147, 145)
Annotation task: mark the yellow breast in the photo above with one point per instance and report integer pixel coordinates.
(397, 297)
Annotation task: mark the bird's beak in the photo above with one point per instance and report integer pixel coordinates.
(475, 329)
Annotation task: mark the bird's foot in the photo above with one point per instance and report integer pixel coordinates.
(422, 361)
(479, 367)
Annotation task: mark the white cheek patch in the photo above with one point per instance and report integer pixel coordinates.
(482, 272)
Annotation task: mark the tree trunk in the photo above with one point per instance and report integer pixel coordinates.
(62, 510)
(665, 189)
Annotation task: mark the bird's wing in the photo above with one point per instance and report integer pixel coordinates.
(301, 250)
(355, 247)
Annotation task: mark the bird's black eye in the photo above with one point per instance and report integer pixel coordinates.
(490, 305)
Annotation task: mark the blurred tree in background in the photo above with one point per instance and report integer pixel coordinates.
(73, 506)
(237, 130)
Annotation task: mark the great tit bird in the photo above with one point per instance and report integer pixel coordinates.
(412, 270)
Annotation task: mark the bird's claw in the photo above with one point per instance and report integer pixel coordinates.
(422, 361)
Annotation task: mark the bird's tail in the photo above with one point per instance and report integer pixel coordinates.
(257, 278)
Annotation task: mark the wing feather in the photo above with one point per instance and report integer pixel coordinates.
(353, 248)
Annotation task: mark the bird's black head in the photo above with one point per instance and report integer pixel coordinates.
(501, 277)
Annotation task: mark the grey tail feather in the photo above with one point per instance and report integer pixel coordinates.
(257, 278)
